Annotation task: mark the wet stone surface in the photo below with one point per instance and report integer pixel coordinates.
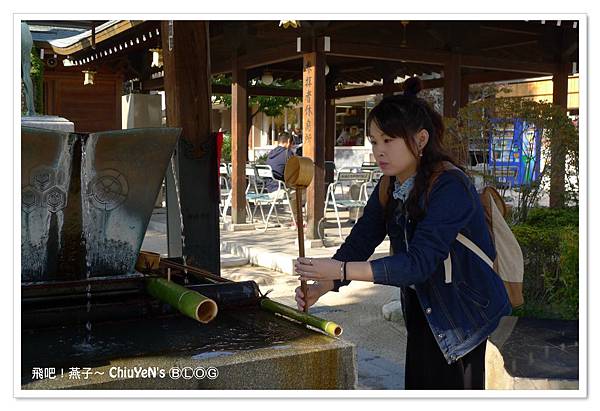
(232, 331)
(536, 348)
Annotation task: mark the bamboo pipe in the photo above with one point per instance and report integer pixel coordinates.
(188, 302)
(329, 327)
(299, 172)
(267, 304)
(229, 294)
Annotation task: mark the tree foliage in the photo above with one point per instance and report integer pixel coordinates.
(272, 106)
(37, 78)
(484, 117)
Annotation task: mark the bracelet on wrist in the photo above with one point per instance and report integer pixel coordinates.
(345, 271)
(342, 270)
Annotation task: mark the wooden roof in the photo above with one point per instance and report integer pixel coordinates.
(361, 51)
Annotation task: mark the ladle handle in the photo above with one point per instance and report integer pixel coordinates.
(300, 225)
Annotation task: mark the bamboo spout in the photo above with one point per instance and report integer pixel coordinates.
(329, 327)
(188, 302)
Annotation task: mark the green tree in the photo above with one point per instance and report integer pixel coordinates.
(37, 78)
(491, 114)
(272, 106)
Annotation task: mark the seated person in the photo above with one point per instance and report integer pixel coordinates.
(277, 158)
(297, 140)
(353, 138)
(342, 139)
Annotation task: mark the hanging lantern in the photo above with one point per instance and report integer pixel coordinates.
(88, 77)
(267, 78)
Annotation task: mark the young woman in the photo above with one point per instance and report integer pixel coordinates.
(451, 299)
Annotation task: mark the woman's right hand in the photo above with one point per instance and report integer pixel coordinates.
(314, 292)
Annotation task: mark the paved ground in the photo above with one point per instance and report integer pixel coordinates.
(357, 308)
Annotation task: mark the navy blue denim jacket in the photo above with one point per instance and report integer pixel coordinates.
(462, 313)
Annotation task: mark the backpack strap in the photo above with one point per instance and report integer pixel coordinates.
(471, 246)
(474, 248)
(384, 197)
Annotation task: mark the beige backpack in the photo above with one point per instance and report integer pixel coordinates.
(509, 263)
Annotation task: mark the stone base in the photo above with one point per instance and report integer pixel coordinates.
(299, 366)
(48, 123)
(526, 353)
(249, 349)
(238, 227)
(497, 378)
(229, 260)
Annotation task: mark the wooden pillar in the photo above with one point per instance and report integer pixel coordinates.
(452, 86)
(239, 142)
(329, 136)
(464, 93)
(313, 107)
(388, 82)
(560, 93)
(187, 83)
(174, 239)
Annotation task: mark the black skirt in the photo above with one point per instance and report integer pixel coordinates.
(426, 367)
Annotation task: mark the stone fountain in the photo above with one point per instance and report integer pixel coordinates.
(86, 203)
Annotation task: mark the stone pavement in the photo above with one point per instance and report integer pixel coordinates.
(380, 344)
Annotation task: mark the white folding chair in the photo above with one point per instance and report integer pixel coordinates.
(225, 187)
(370, 185)
(348, 178)
(250, 194)
(264, 173)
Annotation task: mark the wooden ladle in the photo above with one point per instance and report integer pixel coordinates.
(299, 173)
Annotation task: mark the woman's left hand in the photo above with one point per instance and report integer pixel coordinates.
(318, 269)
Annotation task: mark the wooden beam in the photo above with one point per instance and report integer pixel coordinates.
(188, 101)
(258, 58)
(560, 88)
(260, 91)
(452, 84)
(489, 63)
(388, 83)
(492, 76)
(279, 92)
(509, 45)
(473, 78)
(363, 91)
(239, 143)
(379, 89)
(376, 52)
(570, 50)
(510, 30)
(153, 84)
(284, 52)
(313, 105)
(370, 51)
(464, 93)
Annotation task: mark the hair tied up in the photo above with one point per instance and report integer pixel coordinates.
(412, 86)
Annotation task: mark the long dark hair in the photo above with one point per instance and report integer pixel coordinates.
(404, 115)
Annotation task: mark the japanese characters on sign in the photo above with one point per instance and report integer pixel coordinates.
(308, 92)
